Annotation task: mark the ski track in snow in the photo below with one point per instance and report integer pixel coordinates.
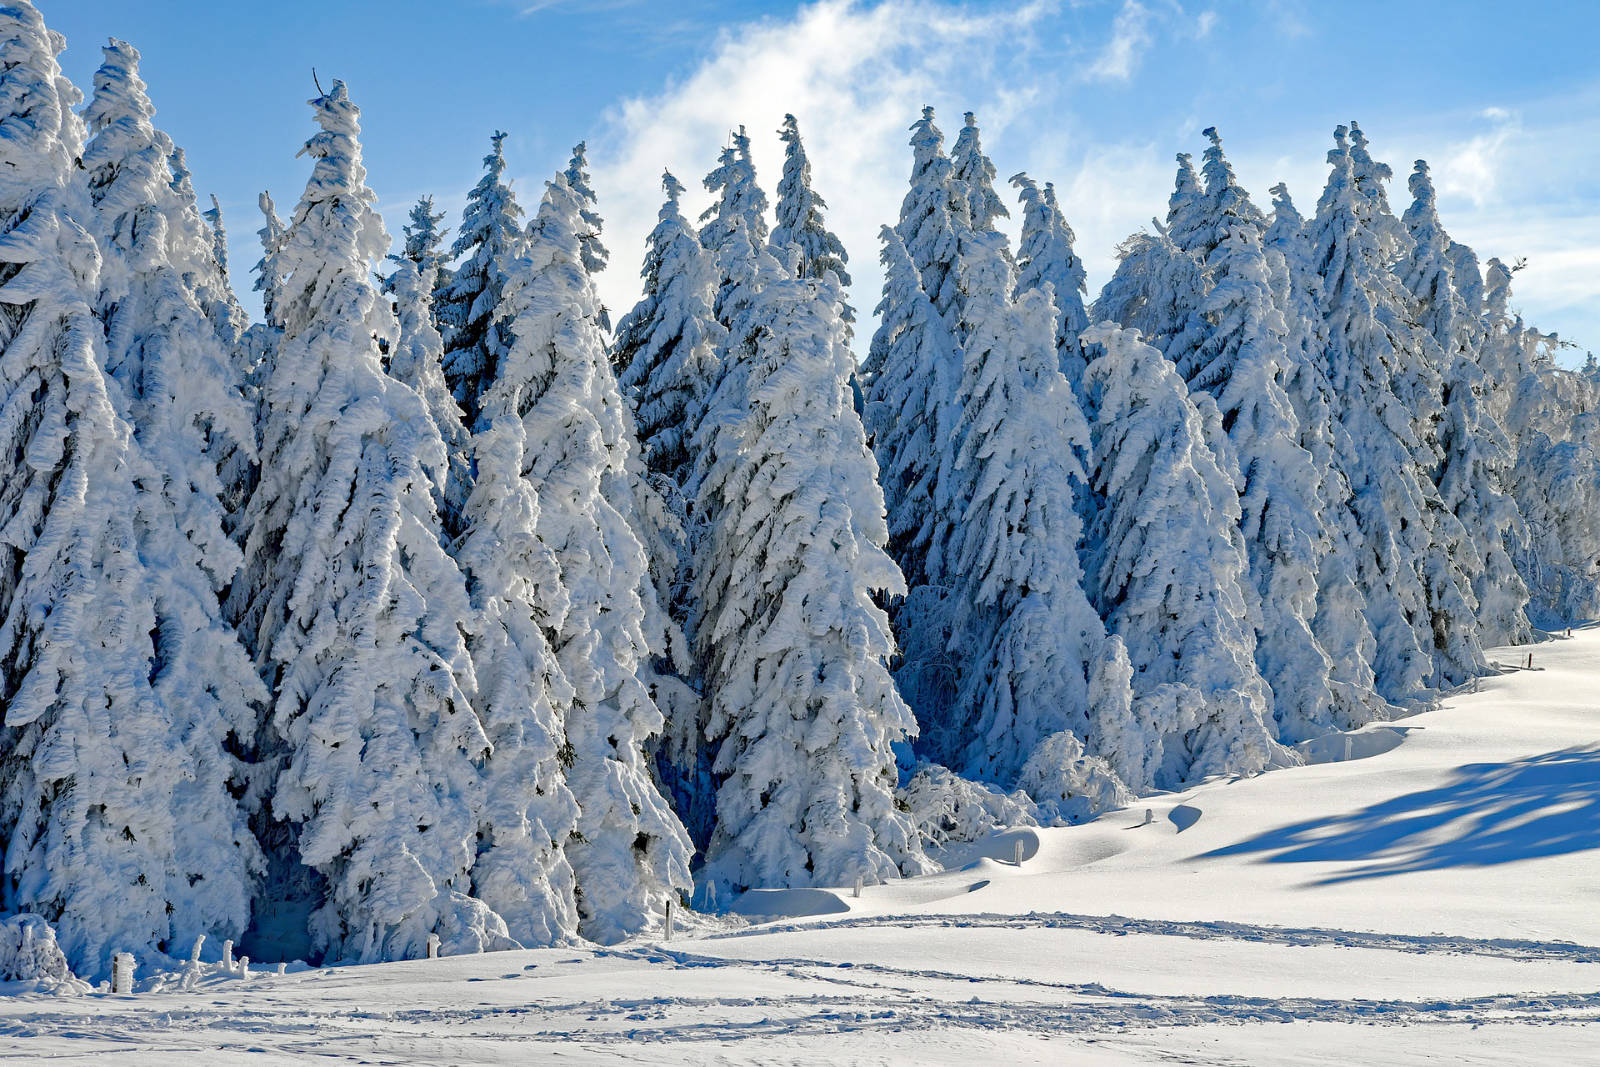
(868, 1006)
(1501, 948)
(871, 997)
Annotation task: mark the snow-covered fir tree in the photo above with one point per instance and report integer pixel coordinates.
(489, 236)
(528, 813)
(1024, 635)
(349, 601)
(934, 213)
(193, 245)
(909, 418)
(976, 173)
(1168, 570)
(417, 359)
(1160, 287)
(1241, 363)
(666, 348)
(1550, 416)
(795, 649)
(1443, 567)
(913, 370)
(595, 253)
(740, 201)
(1475, 451)
(423, 236)
(629, 853)
(1340, 624)
(1045, 255)
(114, 802)
(799, 213)
(268, 269)
(667, 345)
(1187, 223)
(1389, 486)
(190, 416)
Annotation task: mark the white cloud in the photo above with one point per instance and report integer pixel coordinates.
(1472, 168)
(1130, 36)
(856, 77)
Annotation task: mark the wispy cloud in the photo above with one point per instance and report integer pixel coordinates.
(1130, 36)
(855, 76)
(1472, 168)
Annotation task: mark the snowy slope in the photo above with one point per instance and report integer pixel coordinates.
(1432, 902)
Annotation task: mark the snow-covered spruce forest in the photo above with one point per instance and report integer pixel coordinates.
(447, 601)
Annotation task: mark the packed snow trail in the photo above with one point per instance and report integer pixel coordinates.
(1333, 913)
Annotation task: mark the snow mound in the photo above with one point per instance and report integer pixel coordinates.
(1360, 744)
(789, 903)
(32, 961)
(1001, 846)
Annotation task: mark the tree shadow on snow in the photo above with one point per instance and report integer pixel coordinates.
(1488, 814)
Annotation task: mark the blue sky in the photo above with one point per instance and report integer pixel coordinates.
(1096, 96)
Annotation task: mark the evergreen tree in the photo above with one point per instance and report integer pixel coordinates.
(219, 235)
(595, 254)
(1476, 452)
(800, 207)
(912, 372)
(189, 416)
(907, 413)
(252, 353)
(269, 270)
(666, 346)
(909, 417)
(666, 349)
(528, 811)
(1387, 482)
(794, 647)
(1160, 286)
(349, 602)
(1340, 624)
(1383, 370)
(187, 406)
(629, 852)
(1045, 255)
(934, 212)
(973, 169)
(1550, 415)
(1168, 569)
(740, 202)
(193, 246)
(1241, 363)
(1187, 223)
(105, 770)
(489, 237)
(421, 246)
(417, 360)
(1024, 634)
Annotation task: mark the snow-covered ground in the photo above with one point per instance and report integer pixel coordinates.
(1432, 901)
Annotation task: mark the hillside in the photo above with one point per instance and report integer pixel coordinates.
(1429, 901)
